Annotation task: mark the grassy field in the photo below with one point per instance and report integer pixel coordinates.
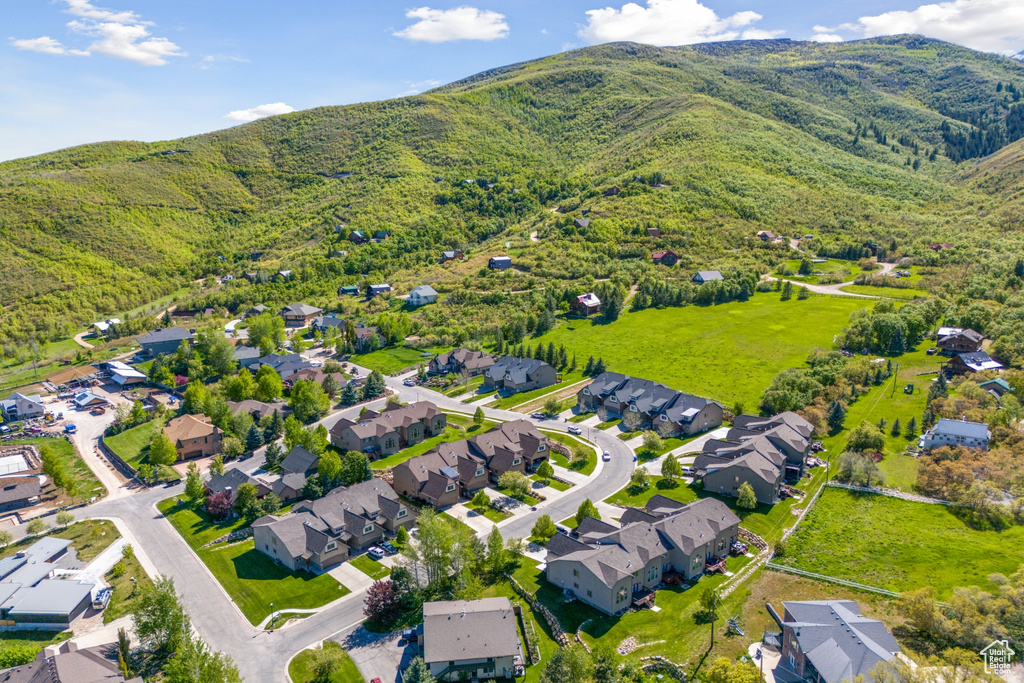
(126, 591)
(883, 403)
(728, 352)
(899, 545)
(830, 266)
(89, 538)
(89, 486)
(396, 358)
(570, 441)
(301, 667)
(890, 292)
(251, 578)
(530, 397)
(132, 445)
(431, 443)
(370, 566)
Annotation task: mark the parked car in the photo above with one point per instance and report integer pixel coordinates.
(376, 553)
(575, 430)
(932, 351)
(388, 548)
(4, 429)
(538, 416)
(607, 457)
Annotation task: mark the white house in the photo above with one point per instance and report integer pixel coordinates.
(125, 374)
(956, 433)
(422, 295)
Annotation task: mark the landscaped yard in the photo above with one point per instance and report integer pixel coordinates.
(126, 591)
(490, 513)
(553, 483)
(132, 445)
(301, 667)
(88, 485)
(369, 566)
(252, 579)
(571, 441)
(396, 358)
(729, 352)
(900, 545)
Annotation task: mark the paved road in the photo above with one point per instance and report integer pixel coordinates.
(837, 288)
(262, 656)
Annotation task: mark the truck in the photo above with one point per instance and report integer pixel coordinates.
(70, 428)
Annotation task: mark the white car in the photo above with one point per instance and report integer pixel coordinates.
(375, 552)
(575, 430)
(409, 383)
(607, 457)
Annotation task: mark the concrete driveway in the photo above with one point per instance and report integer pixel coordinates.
(378, 655)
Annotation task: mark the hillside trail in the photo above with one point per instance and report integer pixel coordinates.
(81, 342)
(836, 289)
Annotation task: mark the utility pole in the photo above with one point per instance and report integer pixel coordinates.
(714, 609)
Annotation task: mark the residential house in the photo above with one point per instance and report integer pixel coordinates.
(703, 276)
(68, 663)
(282, 276)
(231, 480)
(654, 232)
(258, 409)
(19, 492)
(998, 387)
(611, 191)
(452, 255)
(318, 375)
(288, 487)
(954, 340)
(612, 567)
(665, 258)
(30, 596)
(286, 365)
(499, 263)
(766, 236)
(761, 452)
(650, 405)
(159, 342)
(368, 338)
(376, 290)
(104, 325)
(22, 407)
(84, 400)
(397, 427)
(472, 363)
(300, 461)
(246, 356)
(422, 295)
(581, 223)
(380, 236)
(963, 363)
(940, 247)
(194, 436)
(320, 534)
(511, 375)
(358, 237)
(325, 322)
(300, 315)
(463, 467)
(830, 641)
(349, 290)
(124, 374)
(256, 310)
(956, 433)
(586, 304)
(471, 639)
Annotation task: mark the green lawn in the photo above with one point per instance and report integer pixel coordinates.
(132, 445)
(431, 443)
(540, 633)
(89, 486)
(490, 513)
(456, 523)
(251, 578)
(126, 591)
(460, 389)
(570, 440)
(890, 292)
(89, 538)
(819, 269)
(370, 566)
(899, 545)
(396, 358)
(627, 498)
(528, 500)
(729, 352)
(301, 667)
(608, 424)
(509, 402)
(670, 444)
(553, 483)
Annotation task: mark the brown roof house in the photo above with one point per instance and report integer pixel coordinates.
(387, 432)
(471, 639)
(193, 436)
(68, 663)
(320, 534)
(231, 480)
(442, 475)
(300, 315)
(954, 340)
(511, 375)
(613, 567)
(762, 452)
(650, 404)
(665, 258)
(460, 360)
(979, 361)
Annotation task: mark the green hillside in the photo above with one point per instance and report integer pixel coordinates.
(851, 141)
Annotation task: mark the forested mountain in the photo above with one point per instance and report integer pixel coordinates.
(877, 139)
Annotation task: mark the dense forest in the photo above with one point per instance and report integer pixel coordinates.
(877, 140)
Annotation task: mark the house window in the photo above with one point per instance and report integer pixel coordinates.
(480, 472)
(586, 392)
(333, 545)
(575, 585)
(541, 448)
(516, 461)
(634, 409)
(449, 488)
(652, 573)
(664, 418)
(575, 572)
(621, 595)
(612, 399)
(274, 539)
(402, 513)
(590, 594)
(368, 529)
(391, 443)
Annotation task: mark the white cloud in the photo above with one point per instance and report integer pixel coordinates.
(827, 38)
(461, 23)
(260, 112)
(417, 88)
(988, 25)
(668, 22)
(46, 45)
(120, 34)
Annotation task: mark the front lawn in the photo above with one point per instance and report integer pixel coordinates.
(132, 446)
(301, 667)
(251, 578)
(126, 591)
(682, 492)
(370, 567)
(553, 483)
(527, 500)
(539, 632)
(900, 545)
(571, 441)
(394, 359)
(489, 512)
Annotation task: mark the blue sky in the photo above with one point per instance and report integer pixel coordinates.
(77, 71)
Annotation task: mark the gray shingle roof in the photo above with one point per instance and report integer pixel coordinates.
(520, 369)
(971, 430)
(164, 335)
(457, 630)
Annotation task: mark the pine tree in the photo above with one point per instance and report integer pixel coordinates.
(589, 369)
(804, 293)
(836, 416)
(572, 365)
(349, 396)
(599, 367)
(787, 291)
(896, 428)
(911, 428)
(898, 345)
(254, 439)
(273, 456)
(1018, 269)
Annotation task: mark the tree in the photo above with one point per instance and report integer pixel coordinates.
(670, 468)
(787, 291)
(480, 500)
(866, 437)
(653, 442)
(53, 466)
(898, 343)
(266, 331)
(836, 416)
(231, 447)
(639, 479)
(571, 663)
(806, 267)
(6, 538)
(911, 428)
(159, 617)
(349, 395)
(217, 465)
(64, 518)
(803, 294)
(355, 468)
(496, 556)
(218, 505)
(374, 386)
(708, 601)
(330, 469)
(254, 439)
(330, 385)
(515, 483)
(194, 488)
(586, 509)
(161, 450)
(479, 417)
(246, 501)
(545, 470)
(896, 428)
(544, 528)
(308, 401)
(146, 473)
(195, 662)
(274, 427)
(382, 602)
(240, 387)
(552, 406)
(747, 499)
(272, 457)
(401, 537)
(599, 367)
(417, 672)
(858, 468)
(196, 396)
(268, 384)
(724, 670)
